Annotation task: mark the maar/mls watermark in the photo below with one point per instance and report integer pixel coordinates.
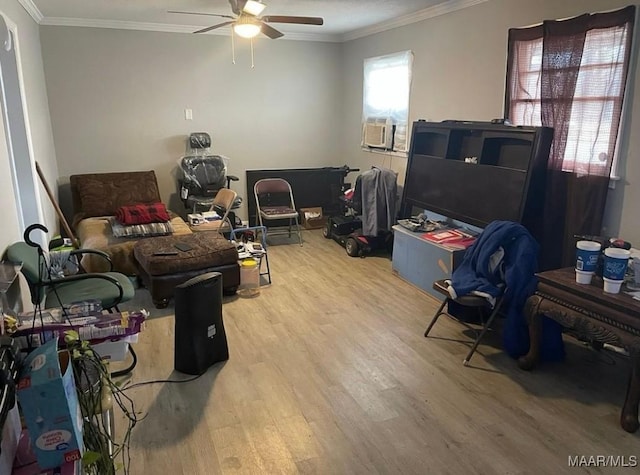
(603, 461)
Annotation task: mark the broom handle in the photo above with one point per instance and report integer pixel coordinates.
(67, 229)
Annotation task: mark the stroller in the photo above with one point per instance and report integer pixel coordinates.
(370, 211)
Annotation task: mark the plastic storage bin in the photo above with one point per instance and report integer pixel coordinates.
(249, 278)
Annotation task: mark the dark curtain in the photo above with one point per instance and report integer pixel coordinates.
(576, 191)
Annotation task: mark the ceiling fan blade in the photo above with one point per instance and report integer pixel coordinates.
(239, 6)
(271, 32)
(209, 28)
(206, 14)
(234, 6)
(301, 20)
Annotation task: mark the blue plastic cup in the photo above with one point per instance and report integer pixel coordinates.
(615, 263)
(587, 253)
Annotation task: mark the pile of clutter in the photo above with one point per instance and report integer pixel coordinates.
(36, 371)
(205, 217)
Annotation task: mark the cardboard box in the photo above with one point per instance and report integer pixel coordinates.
(47, 395)
(312, 218)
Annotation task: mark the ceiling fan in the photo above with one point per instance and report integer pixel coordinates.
(248, 23)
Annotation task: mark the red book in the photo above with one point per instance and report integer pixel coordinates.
(451, 238)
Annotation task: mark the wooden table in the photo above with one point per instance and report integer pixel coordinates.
(605, 318)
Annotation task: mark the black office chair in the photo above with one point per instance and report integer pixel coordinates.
(202, 177)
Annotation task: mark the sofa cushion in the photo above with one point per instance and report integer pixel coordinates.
(101, 194)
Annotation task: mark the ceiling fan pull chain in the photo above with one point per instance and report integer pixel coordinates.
(233, 49)
(252, 65)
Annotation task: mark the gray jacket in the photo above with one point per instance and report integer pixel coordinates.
(378, 191)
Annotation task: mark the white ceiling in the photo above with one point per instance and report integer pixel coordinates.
(343, 19)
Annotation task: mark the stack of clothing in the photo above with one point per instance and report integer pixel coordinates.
(142, 220)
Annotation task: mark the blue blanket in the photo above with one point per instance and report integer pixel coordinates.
(505, 253)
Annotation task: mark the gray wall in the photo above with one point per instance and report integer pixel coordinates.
(117, 101)
(459, 73)
(38, 122)
(117, 97)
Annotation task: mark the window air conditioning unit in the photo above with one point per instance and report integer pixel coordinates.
(378, 133)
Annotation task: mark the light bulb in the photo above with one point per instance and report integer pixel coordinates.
(247, 27)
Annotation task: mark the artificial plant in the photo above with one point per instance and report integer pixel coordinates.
(97, 393)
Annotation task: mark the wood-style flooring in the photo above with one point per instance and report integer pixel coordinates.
(329, 373)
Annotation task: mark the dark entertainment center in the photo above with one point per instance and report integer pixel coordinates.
(478, 172)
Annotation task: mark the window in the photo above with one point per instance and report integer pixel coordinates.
(576, 85)
(387, 82)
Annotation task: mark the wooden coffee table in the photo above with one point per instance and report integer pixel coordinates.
(602, 317)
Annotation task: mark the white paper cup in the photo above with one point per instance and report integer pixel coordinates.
(612, 286)
(615, 263)
(583, 277)
(617, 253)
(587, 253)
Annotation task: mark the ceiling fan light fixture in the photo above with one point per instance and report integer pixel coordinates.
(247, 27)
(253, 8)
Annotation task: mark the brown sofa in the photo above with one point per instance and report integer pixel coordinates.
(96, 197)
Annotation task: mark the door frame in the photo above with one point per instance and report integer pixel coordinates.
(23, 170)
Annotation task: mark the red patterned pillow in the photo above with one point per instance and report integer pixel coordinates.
(142, 214)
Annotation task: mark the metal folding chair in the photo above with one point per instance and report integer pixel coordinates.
(473, 301)
(222, 204)
(274, 201)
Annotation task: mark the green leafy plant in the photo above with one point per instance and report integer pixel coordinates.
(97, 394)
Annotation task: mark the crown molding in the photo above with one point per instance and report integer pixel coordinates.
(431, 12)
(118, 25)
(169, 28)
(32, 10)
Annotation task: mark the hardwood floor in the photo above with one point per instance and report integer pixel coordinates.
(329, 373)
